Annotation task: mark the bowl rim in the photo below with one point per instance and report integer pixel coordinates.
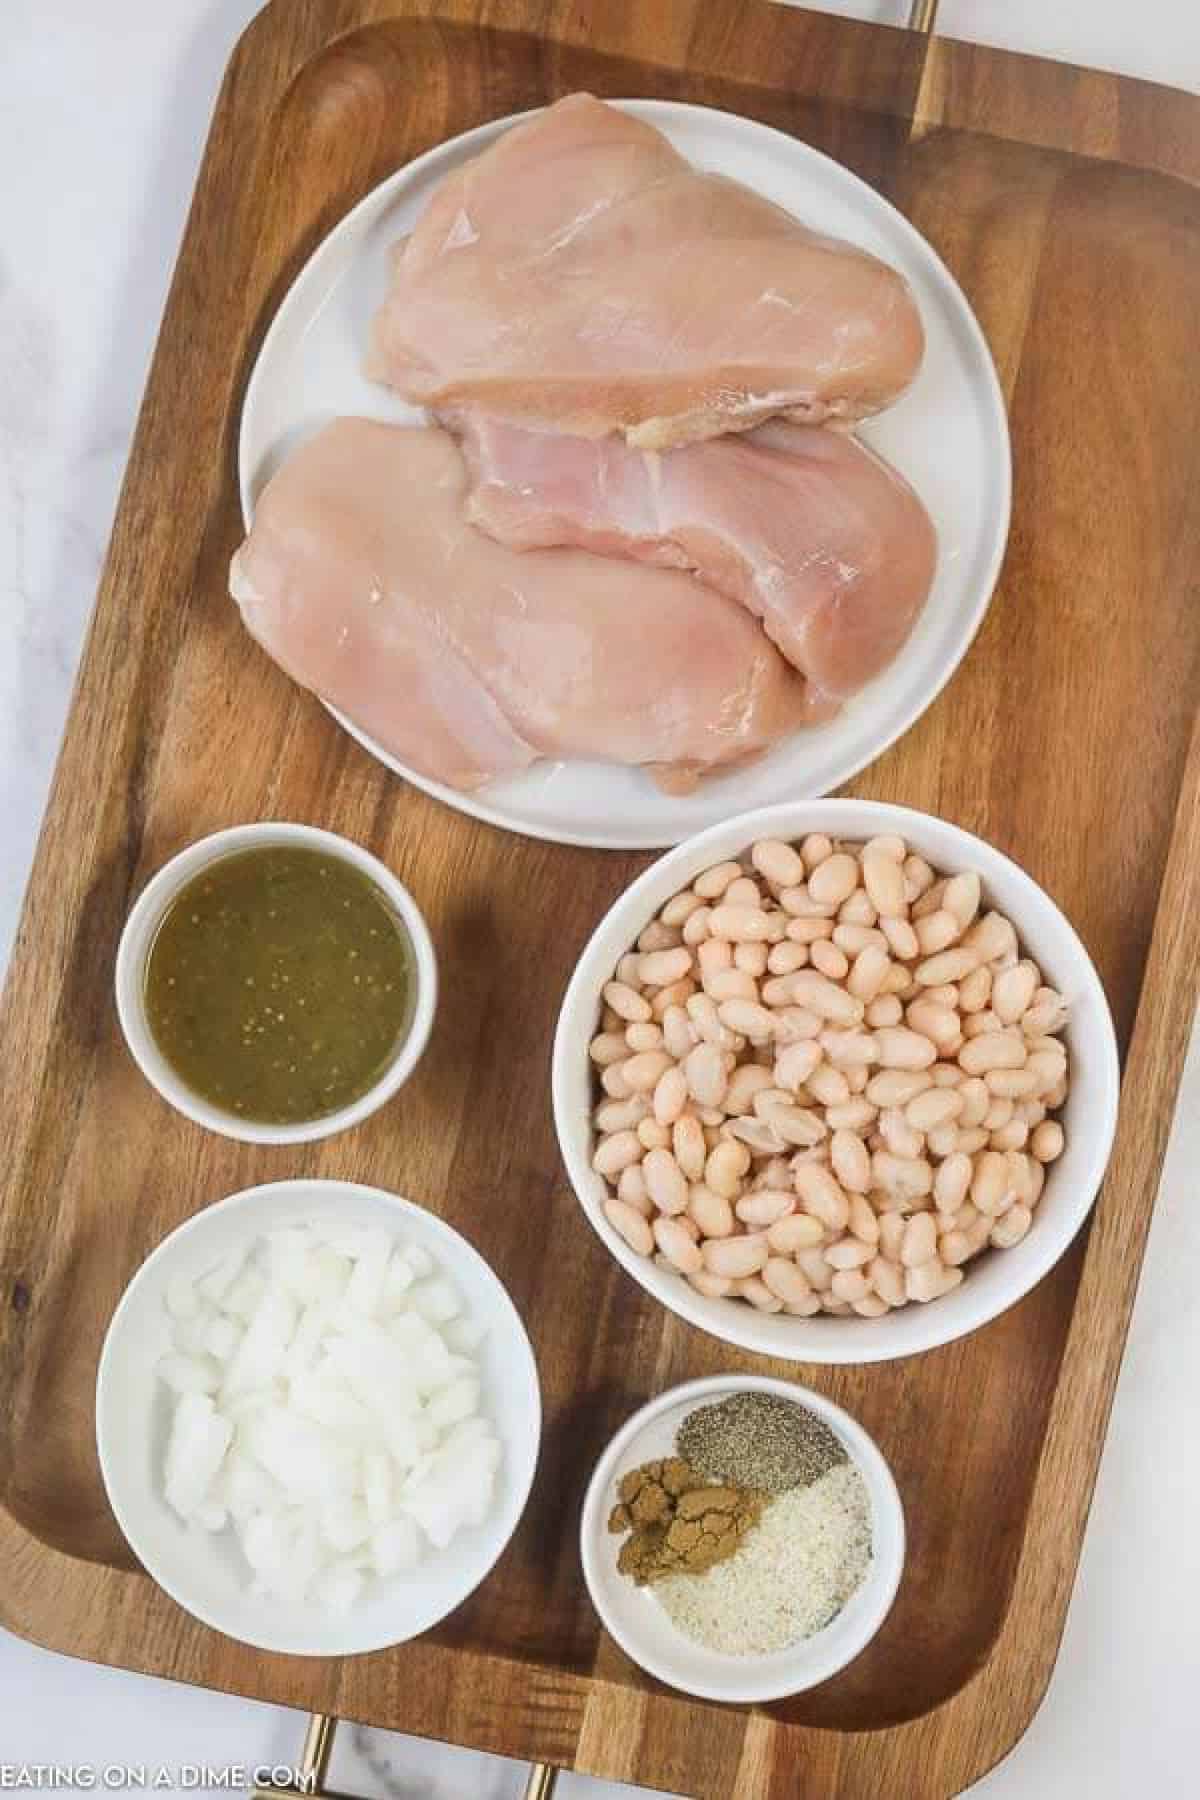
(881, 1484)
(517, 1343)
(746, 1329)
(146, 914)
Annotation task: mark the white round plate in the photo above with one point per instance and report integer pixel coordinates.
(948, 435)
(640, 1623)
(205, 1572)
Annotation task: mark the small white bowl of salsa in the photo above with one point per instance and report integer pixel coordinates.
(276, 983)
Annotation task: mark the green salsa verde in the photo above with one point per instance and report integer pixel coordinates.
(280, 984)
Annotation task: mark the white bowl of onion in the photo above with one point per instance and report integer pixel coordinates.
(805, 1173)
(317, 1415)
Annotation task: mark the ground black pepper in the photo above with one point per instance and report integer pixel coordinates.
(759, 1441)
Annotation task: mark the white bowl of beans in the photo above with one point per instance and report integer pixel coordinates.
(835, 1081)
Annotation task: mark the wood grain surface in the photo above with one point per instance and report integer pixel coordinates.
(1066, 204)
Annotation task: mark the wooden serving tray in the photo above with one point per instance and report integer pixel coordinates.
(1065, 203)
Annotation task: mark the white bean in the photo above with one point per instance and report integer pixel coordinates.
(856, 1115)
(936, 1106)
(730, 984)
(863, 1223)
(1011, 1084)
(749, 1019)
(1013, 991)
(725, 1167)
(828, 1086)
(884, 1010)
(643, 1071)
(680, 908)
(920, 1240)
(630, 1225)
(741, 924)
(612, 1080)
(735, 1257)
(1047, 1141)
(620, 1115)
(713, 882)
(759, 1295)
(898, 1135)
(821, 1196)
(887, 1278)
(747, 1080)
(688, 1146)
(795, 1232)
(785, 958)
(765, 1206)
(850, 1284)
(828, 959)
(795, 1063)
(883, 878)
(672, 1239)
(1047, 1015)
(678, 1035)
(930, 1280)
(992, 937)
(834, 879)
(906, 1177)
(992, 1050)
(742, 892)
(857, 909)
(900, 938)
(1009, 1230)
(951, 1182)
(947, 965)
(652, 1135)
(815, 848)
(818, 994)
(896, 1087)
(711, 1212)
(751, 958)
(713, 1287)
(975, 990)
(666, 1183)
(936, 931)
(704, 1070)
(854, 938)
(695, 926)
(989, 1183)
(1013, 1136)
(900, 1048)
(670, 1095)
(1048, 1070)
(962, 897)
(608, 1047)
(626, 1002)
(787, 1282)
(870, 971)
(777, 862)
(851, 1163)
(798, 1125)
(631, 1187)
(848, 1253)
(891, 1235)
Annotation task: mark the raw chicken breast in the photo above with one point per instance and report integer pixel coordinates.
(466, 660)
(823, 542)
(581, 276)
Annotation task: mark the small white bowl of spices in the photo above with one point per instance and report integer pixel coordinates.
(742, 1538)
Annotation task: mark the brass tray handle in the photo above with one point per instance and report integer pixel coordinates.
(313, 1767)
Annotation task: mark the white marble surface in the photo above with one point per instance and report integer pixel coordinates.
(103, 110)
